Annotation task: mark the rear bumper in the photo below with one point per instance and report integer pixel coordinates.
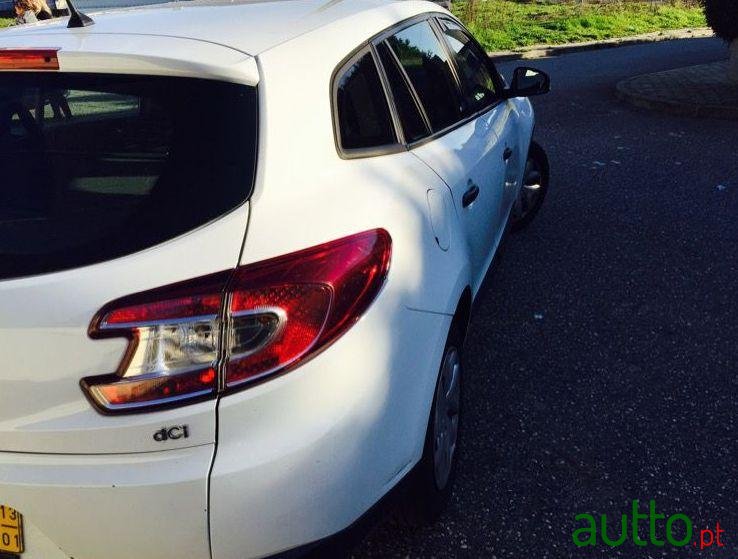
(148, 505)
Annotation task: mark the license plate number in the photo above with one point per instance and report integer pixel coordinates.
(11, 530)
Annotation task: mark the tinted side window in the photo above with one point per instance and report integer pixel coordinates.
(413, 123)
(427, 65)
(363, 114)
(475, 69)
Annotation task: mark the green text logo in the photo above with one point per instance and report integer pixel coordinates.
(676, 530)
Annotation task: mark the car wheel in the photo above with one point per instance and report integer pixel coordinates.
(533, 191)
(431, 482)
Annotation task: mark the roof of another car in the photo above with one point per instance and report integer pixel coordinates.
(251, 26)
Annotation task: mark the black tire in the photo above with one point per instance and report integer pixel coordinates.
(425, 498)
(537, 155)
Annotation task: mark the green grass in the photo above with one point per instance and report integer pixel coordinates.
(505, 25)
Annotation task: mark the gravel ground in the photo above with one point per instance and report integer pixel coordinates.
(602, 360)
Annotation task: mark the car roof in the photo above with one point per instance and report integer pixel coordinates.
(250, 26)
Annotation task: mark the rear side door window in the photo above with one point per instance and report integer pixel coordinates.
(478, 78)
(425, 61)
(363, 113)
(415, 125)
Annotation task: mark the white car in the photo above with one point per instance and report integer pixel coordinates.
(238, 242)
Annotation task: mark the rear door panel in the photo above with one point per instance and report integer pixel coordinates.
(516, 129)
(472, 155)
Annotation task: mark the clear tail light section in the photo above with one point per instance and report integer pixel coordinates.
(173, 348)
(222, 332)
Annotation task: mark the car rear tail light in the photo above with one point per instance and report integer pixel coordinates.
(306, 300)
(29, 59)
(240, 326)
(173, 347)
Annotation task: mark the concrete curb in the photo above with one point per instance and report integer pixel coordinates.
(675, 108)
(649, 91)
(544, 51)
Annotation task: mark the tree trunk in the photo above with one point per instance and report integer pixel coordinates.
(733, 64)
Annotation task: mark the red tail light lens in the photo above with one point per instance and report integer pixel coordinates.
(252, 323)
(281, 325)
(132, 394)
(29, 59)
(315, 295)
(172, 309)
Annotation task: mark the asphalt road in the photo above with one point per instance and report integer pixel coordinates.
(602, 364)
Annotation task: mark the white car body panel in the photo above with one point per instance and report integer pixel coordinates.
(304, 455)
(521, 124)
(293, 475)
(111, 506)
(364, 193)
(378, 398)
(44, 321)
(469, 156)
(147, 55)
(249, 27)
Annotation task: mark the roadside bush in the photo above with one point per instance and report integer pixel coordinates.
(722, 16)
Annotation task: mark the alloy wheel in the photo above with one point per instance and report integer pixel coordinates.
(530, 191)
(446, 418)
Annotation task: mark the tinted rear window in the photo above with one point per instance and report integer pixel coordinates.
(97, 166)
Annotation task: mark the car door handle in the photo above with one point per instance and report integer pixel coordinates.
(470, 195)
(507, 154)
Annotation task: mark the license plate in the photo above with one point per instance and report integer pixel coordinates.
(11, 530)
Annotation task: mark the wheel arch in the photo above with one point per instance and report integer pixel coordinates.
(462, 315)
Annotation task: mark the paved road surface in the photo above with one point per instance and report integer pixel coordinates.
(627, 388)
